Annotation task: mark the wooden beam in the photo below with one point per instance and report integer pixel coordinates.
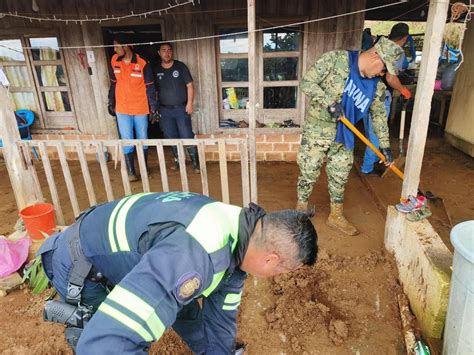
(22, 181)
(68, 179)
(253, 97)
(424, 92)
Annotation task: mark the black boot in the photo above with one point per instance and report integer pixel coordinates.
(175, 166)
(129, 160)
(145, 154)
(193, 153)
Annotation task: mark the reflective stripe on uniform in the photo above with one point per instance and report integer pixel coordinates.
(231, 308)
(233, 297)
(117, 223)
(211, 227)
(138, 307)
(232, 301)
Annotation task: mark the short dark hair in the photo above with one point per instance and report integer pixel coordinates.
(399, 31)
(165, 44)
(296, 226)
(121, 38)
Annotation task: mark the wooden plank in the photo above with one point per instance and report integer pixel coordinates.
(253, 97)
(182, 167)
(86, 174)
(203, 168)
(162, 162)
(244, 166)
(31, 168)
(142, 166)
(424, 92)
(68, 179)
(223, 171)
(51, 183)
(20, 177)
(105, 171)
(123, 172)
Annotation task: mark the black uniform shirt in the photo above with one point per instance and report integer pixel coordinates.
(171, 84)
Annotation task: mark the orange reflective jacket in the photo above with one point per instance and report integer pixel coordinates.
(132, 90)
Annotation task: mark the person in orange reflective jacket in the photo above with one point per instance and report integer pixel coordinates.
(132, 97)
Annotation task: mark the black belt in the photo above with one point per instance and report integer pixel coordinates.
(81, 269)
(173, 106)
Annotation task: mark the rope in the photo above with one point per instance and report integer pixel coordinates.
(226, 35)
(97, 19)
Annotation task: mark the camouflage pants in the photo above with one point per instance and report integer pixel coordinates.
(317, 143)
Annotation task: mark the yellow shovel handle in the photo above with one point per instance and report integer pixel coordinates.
(370, 145)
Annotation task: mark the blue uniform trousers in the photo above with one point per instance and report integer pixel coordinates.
(370, 158)
(176, 123)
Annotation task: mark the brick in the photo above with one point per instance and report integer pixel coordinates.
(240, 135)
(274, 138)
(294, 147)
(264, 147)
(203, 136)
(39, 136)
(231, 147)
(273, 156)
(291, 137)
(235, 156)
(212, 148)
(209, 156)
(260, 156)
(289, 156)
(70, 137)
(102, 136)
(281, 147)
(260, 138)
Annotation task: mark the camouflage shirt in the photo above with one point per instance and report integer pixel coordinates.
(324, 84)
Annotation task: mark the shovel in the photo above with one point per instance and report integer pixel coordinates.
(400, 161)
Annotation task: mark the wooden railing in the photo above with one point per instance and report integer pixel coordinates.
(116, 149)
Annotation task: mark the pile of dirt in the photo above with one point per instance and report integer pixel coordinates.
(311, 303)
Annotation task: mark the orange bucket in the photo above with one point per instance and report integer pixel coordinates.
(39, 218)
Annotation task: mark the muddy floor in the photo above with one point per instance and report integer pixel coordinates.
(345, 304)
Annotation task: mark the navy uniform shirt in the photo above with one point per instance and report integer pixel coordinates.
(171, 84)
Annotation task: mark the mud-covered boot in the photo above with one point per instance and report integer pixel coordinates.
(129, 160)
(337, 220)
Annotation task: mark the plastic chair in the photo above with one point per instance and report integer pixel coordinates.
(25, 133)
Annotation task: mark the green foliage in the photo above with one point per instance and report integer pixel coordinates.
(36, 277)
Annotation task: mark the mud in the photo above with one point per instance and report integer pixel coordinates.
(344, 304)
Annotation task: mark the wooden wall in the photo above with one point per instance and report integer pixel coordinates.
(90, 91)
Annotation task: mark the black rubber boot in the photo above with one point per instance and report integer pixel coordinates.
(130, 161)
(193, 153)
(175, 166)
(145, 154)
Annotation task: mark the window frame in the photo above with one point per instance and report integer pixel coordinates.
(267, 115)
(46, 120)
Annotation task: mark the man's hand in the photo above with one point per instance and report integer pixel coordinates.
(111, 109)
(154, 117)
(189, 108)
(387, 153)
(406, 93)
(336, 110)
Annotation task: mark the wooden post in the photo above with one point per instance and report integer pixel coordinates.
(253, 97)
(22, 181)
(424, 92)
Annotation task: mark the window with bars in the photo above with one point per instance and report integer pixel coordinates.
(280, 55)
(34, 66)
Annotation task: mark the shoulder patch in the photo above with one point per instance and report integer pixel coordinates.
(187, 286)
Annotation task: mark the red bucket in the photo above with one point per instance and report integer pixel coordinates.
(39, 218)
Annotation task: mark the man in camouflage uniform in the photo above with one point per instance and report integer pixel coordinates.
(324, 85)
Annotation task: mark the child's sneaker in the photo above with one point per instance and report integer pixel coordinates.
(411, 204)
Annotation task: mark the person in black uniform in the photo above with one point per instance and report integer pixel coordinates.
(175, 95)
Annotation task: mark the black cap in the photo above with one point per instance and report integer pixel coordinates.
(398, 31)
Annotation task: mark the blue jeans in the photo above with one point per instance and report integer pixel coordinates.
(128, 124)
(370, 158)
